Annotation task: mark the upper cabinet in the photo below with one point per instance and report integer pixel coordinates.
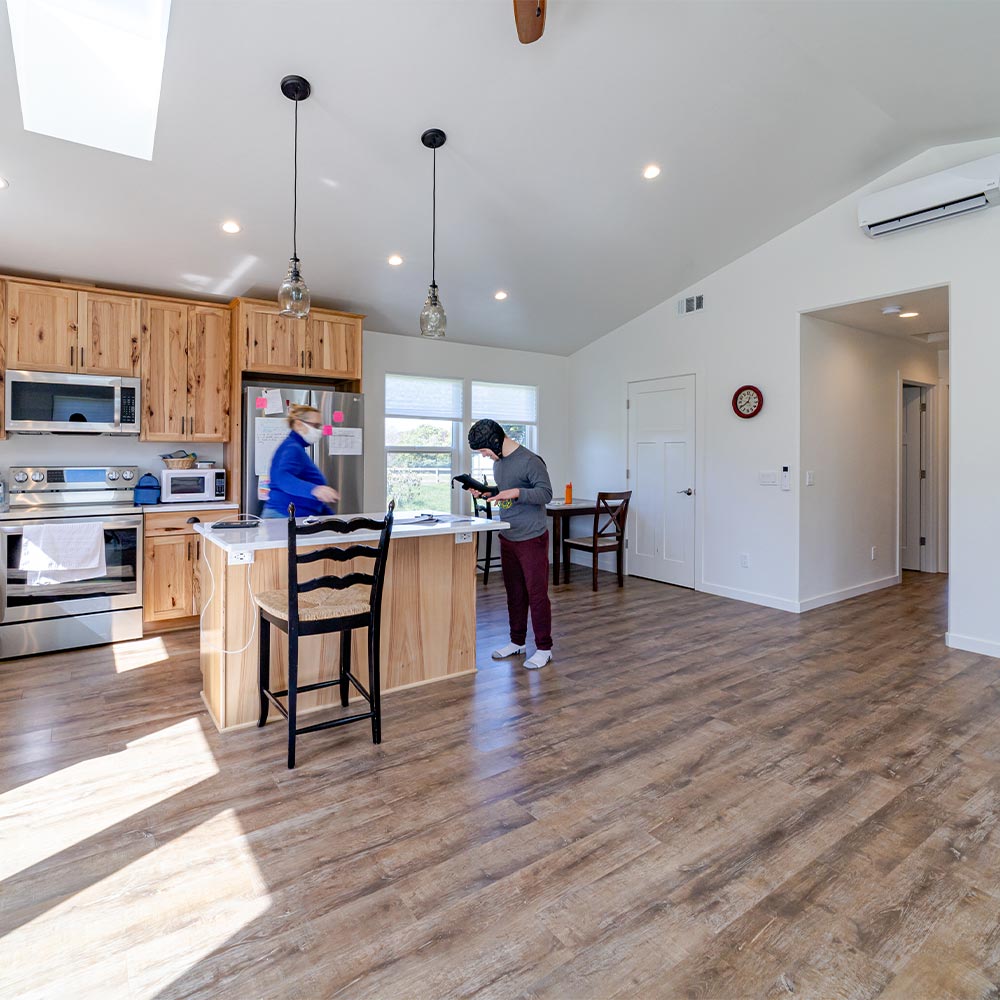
(55, 329)
(42, 327)
(326, 344)
(185, 364)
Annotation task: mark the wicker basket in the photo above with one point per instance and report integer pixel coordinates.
(180, 463)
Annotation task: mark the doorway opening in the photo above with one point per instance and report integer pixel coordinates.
(873, 439)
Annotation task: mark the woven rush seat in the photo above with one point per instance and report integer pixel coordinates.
(318, 605)
(588, 542)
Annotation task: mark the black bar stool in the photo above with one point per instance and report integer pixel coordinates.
(348, 602)
(483, 508)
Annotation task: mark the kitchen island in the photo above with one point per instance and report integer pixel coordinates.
(428, 611)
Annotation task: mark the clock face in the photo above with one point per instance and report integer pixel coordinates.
(747, 401)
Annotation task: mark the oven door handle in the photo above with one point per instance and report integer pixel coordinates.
(3, 574)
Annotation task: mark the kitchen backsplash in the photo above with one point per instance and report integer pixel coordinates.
(76, 449)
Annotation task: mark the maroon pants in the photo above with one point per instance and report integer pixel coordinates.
(525, 567)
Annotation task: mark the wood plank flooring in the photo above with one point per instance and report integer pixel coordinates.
(698, 798)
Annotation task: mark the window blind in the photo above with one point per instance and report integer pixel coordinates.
(413, 396)
(512, 404)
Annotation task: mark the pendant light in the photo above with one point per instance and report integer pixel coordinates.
(293, 295)
(432, 317)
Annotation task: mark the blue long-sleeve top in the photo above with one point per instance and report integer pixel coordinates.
(294, 475)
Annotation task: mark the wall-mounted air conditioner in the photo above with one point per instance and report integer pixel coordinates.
(951, 192)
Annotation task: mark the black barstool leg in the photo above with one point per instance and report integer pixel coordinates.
(345, 665)
(293, 683)
(489, 557)
(263, 665)
(375, 683)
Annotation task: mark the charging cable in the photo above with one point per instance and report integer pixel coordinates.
(250, 519)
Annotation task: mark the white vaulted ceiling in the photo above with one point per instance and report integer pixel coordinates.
(758, 113)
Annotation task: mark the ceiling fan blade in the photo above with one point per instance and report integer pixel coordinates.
(529, 16)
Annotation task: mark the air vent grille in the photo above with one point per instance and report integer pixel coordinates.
(690, 304)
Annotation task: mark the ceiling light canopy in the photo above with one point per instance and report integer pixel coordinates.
(3, 183)
(89, 71)
(293, 293)
(231, 226)
(891, 310)
(651, 171)
(395, 260)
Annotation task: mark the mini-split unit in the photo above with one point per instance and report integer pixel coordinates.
(944, 195)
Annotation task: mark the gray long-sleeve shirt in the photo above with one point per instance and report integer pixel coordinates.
(523, 470)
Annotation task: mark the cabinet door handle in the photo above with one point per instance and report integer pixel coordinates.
(189, 552)
(182, 425)
(72, 357)
(81, 357)
(310, 359)
(302, 361)
(197, 550)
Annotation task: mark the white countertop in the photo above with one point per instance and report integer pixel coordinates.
(165, 508)
(272, 533)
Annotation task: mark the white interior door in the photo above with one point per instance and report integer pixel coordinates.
(910, 520)
(661, 450)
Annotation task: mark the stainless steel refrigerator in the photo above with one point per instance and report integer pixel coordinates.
(339, 453)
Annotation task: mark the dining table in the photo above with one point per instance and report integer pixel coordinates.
(561, 514)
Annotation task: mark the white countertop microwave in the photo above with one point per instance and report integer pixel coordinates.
(186, 485)
(66, 403)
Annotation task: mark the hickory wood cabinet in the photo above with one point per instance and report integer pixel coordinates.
(326, 344)
(56, 329)
(171, 586)
(186, 371)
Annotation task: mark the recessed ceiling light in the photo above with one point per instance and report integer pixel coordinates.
(3, 183)
(891, 310)
(651, 171)
(500, 296)
(908, 315)
(395, 260)
(231, 226)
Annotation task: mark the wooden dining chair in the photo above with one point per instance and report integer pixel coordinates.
(608, 536)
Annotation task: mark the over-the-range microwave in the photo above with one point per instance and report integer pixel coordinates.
(185, 485)
(65, 403)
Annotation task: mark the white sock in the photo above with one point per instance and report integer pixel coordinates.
(538, 659)
(511, 649)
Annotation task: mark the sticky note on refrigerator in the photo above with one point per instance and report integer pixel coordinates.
(273, 402)
(261, 403)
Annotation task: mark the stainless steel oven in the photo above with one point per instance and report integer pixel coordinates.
(38, 617)
(61, 403)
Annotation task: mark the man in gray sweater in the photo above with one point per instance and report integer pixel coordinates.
(525, 489)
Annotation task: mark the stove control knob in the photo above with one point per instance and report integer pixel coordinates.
(112, 475)
(37, 477)
(128, 474)
(20, 477)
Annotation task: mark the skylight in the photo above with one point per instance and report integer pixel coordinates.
(89, 71)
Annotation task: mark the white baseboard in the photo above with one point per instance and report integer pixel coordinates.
(973, 645)
(848, 592)
(749, 596)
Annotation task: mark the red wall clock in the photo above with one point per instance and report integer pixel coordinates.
(748, 401)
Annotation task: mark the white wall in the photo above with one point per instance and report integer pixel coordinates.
(850, 431)
(418, 356)
(749, 333)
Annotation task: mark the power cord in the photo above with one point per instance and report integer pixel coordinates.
(250, 519)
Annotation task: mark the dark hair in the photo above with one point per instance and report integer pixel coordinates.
(487, 434)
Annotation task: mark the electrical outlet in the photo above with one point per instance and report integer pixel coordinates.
(463, 536)
(240, 557)
(874, 552)
(745, 560)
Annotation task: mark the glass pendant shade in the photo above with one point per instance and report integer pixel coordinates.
(433, 319)
(293, 295)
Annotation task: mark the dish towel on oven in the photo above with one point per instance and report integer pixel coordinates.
(62, 553)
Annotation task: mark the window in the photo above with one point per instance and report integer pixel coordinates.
(423, 422)
(515, 407)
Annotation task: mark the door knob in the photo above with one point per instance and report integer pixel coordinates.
(688, 492)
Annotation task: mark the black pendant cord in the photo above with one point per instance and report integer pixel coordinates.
(295, 189)
(434, 216)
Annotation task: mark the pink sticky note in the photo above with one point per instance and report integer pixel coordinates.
(327, 430)
(261, 403)
(338, 416)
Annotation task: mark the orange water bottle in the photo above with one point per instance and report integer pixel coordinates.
(569, 493)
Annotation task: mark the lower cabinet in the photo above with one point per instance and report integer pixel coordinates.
(171, 589)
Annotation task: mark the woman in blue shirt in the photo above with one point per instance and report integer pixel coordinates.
(295, 477)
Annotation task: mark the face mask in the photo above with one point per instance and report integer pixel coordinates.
(312, 434)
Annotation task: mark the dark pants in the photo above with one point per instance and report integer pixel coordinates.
(525, 567)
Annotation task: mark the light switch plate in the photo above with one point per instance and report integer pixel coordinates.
(767, 478)
(810, 478)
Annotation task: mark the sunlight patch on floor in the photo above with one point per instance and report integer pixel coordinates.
(52, 814)
(141, 653)
(118, 938)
